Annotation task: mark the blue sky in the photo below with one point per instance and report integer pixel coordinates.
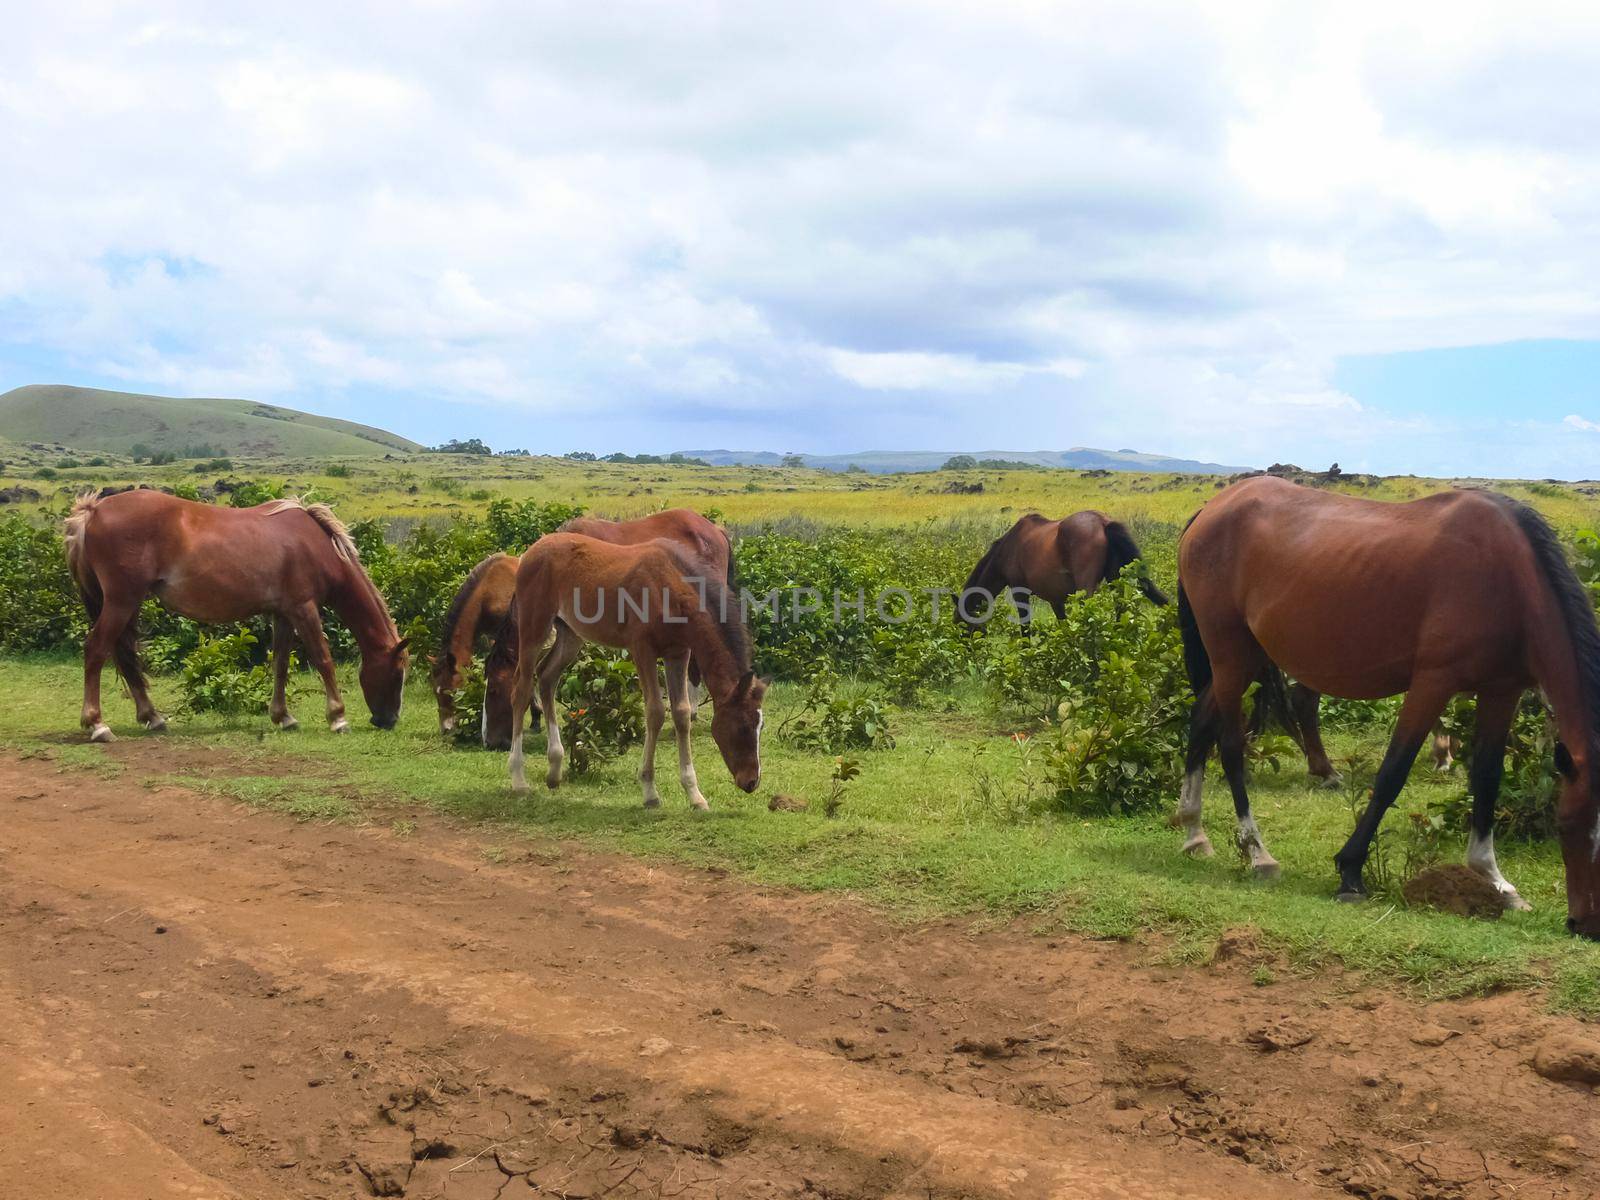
(1245, 233)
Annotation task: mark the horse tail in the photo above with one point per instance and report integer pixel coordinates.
(76, 525)
(1196, 662)
(1122, 551)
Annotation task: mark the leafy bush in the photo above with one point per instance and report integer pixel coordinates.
(833, 723)
(253, 492)
(219, 677)
(337, 471)
(602, 712)
(468, 730)
(1122, 723)
(513, 527)
(39, 604)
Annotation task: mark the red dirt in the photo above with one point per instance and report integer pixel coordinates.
(200, 1000)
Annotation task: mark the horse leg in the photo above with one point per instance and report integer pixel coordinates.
(1423, 705)
(1228, 693)
(530, 634)
(307, 623)
(1444, 750)
(654, 714)
(682, 714)
(1495, 713)
(1306, 707)
(1202, 737)
(282, 648)
(126, 655)
(97, 647)
(554, 664)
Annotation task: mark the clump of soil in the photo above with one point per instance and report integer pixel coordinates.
(785, 803)
(1453, 888)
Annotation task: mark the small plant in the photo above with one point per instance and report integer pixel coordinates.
(844, 771)
(337, 471)
(218, 676)
(468, 730)
(832, 723)
(252, 492)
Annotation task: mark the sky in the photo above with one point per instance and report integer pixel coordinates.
(1242, 232)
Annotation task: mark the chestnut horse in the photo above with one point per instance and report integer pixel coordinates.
(485, 599)
(1052, 560)
(227, 564)
(645, 599)
(1464, 591)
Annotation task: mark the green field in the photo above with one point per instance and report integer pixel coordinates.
(957, 816)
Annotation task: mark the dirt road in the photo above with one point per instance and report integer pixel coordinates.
(199, 1000)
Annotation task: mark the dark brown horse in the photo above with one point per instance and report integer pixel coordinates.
(1464, 591)
(1050, 560)
(228, 564)
(703, 542)
(646, 600)
(478, 611)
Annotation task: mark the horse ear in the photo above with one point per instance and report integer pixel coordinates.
(401, 645)
(742, 688)
(1564, 762)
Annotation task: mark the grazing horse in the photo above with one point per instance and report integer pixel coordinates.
(1052, 560)
(227, 564)
(1463, 591)
(644, 599)
(702, 541)
(478, 610)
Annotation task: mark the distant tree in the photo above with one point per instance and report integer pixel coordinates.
(855, 469)
(792, 460)
(456, 446)
(511, 454)
(959, 462)
(583, 456)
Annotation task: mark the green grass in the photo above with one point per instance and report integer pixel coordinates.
(940, 824)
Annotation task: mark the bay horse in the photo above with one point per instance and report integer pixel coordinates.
(1052, 560)
(1462, 591)
(484, 600)
(216, 565)
(478, 610)
(646, 600)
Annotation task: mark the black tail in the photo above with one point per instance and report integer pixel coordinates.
(1196, 662)
(1121, 551)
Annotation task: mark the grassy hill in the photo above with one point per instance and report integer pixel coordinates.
(114, 422)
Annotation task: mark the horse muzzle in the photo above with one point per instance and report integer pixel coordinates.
(385, 722)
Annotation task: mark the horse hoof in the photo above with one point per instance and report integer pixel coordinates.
(652, 802)
(1513, 902)
(1266, 870)
(156, 724)
(102, 733)
(289, 725)
(1199, 846)
(339, 726)
(700, 805)
(1351, 897)
(552, 782)
(1331, 783)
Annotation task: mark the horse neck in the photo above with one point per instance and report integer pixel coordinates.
(720, 669)
(356, 600)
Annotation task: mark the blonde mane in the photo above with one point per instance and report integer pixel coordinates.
(343, 544)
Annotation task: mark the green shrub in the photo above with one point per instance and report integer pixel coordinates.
(833, 722)
(1526, 808)
(39, 604)
(602, 712)
(219, 677)
(337, 471)
(252, 492)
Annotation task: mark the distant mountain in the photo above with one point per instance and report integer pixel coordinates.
(885, 462)
(115, 422)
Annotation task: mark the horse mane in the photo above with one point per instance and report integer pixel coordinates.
(458, 603)
(725, 610)
(1577, 610)
(343, 544)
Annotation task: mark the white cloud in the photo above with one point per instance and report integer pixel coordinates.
(1582, 424)
(1157, 224)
